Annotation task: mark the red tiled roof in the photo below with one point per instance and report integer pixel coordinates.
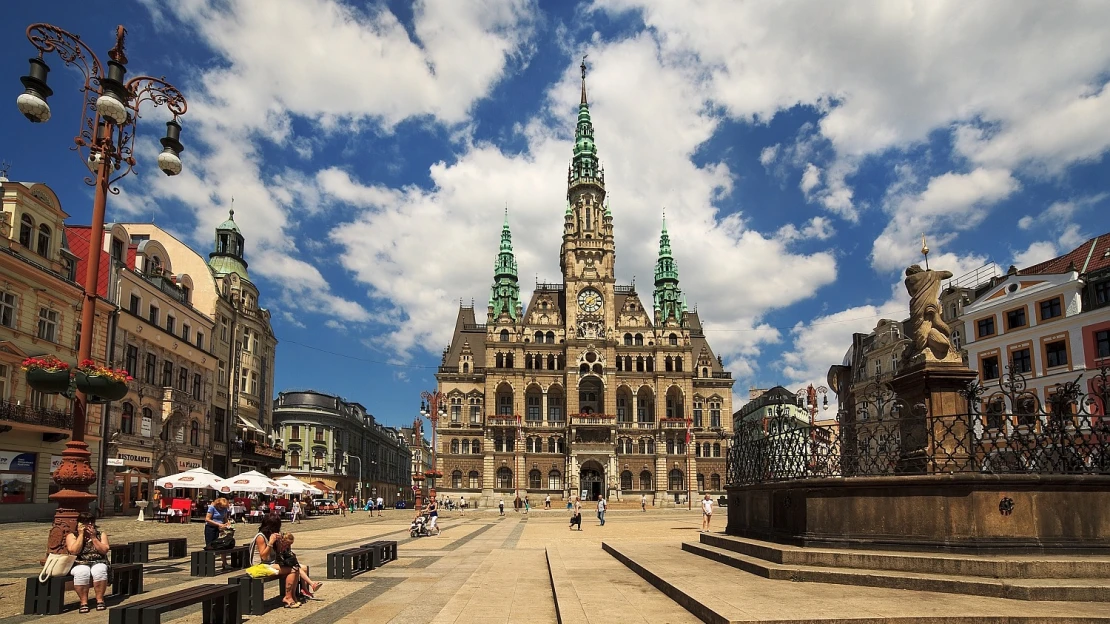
(1081, 257)
(78, 238)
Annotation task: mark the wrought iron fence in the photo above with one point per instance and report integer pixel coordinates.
(1006, 430)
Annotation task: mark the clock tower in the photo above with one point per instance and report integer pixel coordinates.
(587, 255)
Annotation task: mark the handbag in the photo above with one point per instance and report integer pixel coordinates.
(56, 565)
(225, 541)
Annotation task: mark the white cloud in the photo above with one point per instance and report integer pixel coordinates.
(328, 63)
(423, 249)
(950, 203)
(811, 177)
(1019, 86)
(1035, 254)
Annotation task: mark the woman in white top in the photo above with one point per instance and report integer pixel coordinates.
(296, 510)
(264, 547)
(706, 513)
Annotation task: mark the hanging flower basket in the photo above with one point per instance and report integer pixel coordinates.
(48, 374)
(101, 383)
(418, 477)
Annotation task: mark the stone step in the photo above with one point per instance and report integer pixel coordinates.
(721, 594)
(957, 564)
(1064, 590)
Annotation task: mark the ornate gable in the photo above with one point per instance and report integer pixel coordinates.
(632, 313)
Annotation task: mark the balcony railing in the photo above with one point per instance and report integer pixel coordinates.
(592, 419)
(42, 417)
(257, 452)
(673, 423)
(501, 421)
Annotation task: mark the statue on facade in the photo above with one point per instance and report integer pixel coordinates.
(926, 329)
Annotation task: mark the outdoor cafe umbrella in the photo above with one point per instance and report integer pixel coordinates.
(295, 486)
(252, 481)
(196, 478)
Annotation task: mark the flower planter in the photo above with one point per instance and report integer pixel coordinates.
(48, 382)
(100, 389)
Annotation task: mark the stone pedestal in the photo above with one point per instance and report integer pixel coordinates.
(934, 440)
(74, 476)
(142, 509)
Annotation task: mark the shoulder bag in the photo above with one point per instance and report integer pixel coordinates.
(56, 565)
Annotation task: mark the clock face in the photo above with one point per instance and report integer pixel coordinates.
(589, 300)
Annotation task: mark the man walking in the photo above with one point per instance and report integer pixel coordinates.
(643, 503)
(501, 506)
(547, 502)
(706, 513)
(381, 505)
(601, 509)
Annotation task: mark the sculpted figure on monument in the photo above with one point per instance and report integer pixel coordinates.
(927, 330)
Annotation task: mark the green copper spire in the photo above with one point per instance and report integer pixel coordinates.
(669, 301)
(584, 166)
(505, 294)
(228, 256)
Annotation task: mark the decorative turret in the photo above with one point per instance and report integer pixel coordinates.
(669, 302)
(584, 166)
(505, 295)
(228, 256)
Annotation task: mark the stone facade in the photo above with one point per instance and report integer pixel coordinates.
(39, 298)
(338, 444)
(587, 390)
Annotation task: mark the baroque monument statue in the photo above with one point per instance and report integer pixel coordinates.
(929, 334)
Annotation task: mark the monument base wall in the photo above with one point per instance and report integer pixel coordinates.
(957, 512)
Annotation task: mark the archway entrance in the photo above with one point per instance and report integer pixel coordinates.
(591, 480)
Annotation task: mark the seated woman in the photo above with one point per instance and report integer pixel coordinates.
(264, 549)
(288, 558)
(90, 546)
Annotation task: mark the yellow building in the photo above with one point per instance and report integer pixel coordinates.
(40, 315)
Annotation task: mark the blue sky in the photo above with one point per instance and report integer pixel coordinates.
(800, 150)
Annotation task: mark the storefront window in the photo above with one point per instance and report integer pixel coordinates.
(17, 477)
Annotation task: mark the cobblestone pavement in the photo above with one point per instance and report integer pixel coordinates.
(485, 568)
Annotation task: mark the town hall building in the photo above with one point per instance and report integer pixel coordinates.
(588, 390)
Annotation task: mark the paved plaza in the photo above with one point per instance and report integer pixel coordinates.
(530, 568)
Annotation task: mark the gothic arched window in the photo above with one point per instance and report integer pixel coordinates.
(43, 247)
(26, 230)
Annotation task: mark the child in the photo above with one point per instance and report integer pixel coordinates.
(287, 558)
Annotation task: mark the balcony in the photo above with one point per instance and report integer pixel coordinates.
(38, 417)
(257, 453)
(593, 419)
(673, 423)
(501, 421)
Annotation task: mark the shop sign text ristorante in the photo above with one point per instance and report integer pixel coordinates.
(135, 458)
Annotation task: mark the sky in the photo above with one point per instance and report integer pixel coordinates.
(800, 150)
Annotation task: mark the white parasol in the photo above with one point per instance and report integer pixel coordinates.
(252, 481)
(293, 485)
(196, 478)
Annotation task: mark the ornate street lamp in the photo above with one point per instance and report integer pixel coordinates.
(105, 140)
(433, 406)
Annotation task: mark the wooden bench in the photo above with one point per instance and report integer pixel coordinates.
(178, 546)
(383, 551)
(219, 605)
(49, 598)
(121, 553)
(252, 591)
(203, 562)
(350, 562)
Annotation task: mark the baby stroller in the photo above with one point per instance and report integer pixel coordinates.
(419, 527)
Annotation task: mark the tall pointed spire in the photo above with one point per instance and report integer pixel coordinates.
(505, 293)
(669, 301)
(584, 165)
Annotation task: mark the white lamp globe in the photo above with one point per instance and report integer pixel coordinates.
(111, 108)
(33, 107)
(169, 163)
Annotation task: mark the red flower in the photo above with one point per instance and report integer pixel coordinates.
(47, 363)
